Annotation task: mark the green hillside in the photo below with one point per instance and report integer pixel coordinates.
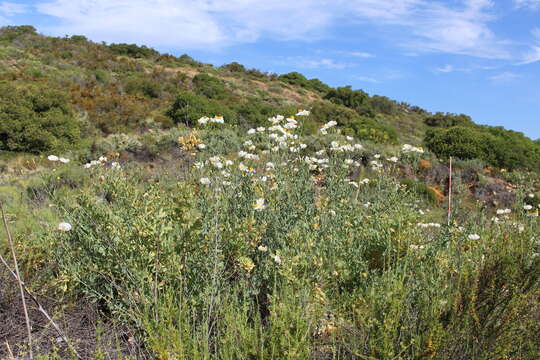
(162, 208)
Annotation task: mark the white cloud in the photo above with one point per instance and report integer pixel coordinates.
(186, 23)
(533, 55)
(531, 4)
(316, 63)
(10, 9)
(367, 79)
(504, 77)
(458, 27)
(445, 69)
(361, 54)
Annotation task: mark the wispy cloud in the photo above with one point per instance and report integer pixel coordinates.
(317, 63)
(10, 8)
(533, 55)
(445, 69)
(360, 54)
(505, 77)
(453, 27)
(367, 79)
(530, 4)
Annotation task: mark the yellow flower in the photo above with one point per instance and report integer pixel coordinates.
(246, 263)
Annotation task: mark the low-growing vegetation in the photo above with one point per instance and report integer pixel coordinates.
(162, 209)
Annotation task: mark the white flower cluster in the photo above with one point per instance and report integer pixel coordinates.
(328, 125)
(428, 225)
(376, 165)
(316, 164)
(216, 119)
(100, 161)
(245, 155)
(503, 211)
(409, 148)
(55, 158)
(359, 183)
(337, 147)
(303, 113)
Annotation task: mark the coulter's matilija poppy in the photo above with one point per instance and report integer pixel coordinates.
(259, 204)
(64, 226)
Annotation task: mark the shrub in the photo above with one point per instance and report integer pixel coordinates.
(210, 87)
(188, 108)
(234, 67)
(133, 50)
(143, 86)
(448, 120)
(36, 119)
(357, 100)
(351, 123)
(10, 33)
(430, 194)
(496, 146)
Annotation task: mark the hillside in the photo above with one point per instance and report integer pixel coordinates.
(162, 208)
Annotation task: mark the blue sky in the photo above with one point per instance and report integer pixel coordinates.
(478, 57)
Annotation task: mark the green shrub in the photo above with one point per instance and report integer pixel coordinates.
(496, 146)
(448, 120)
(144, 86)
(189, 107)
(36, 119)
(351, 122)
(421, 189)
(210, 87)
(357, 100)
(133, 50)
(10, 33)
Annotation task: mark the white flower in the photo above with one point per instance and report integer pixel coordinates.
(87, 166)
(393, 159)
(203, 120)
(251, 131)
(302, 113)
(377, 156)
(63, 160)
(248, 143)
(102, 159)
(332, 212)
(242, 167)
(201, 146)
(53, 158)
(262, 248)
(64, 226)
(303, 146)
(474, 237)
(261, 129)
(527, 207)
(115, 166)
(199, 165)
(277, 259)
(349, 161)
(349, 138)
(259, 204)
(205, 181)
(228, 162)
(226, 183)
(531, 196)
(270, 166)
